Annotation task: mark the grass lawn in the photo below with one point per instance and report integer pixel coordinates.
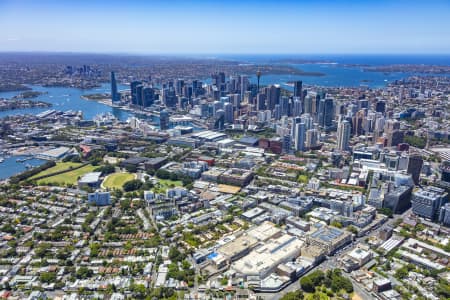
(164, 184)
(60, 166)
(67, 178)
(116, 180)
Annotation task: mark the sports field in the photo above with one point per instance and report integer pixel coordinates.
(60, 166)
(116, 180)
(67, 178)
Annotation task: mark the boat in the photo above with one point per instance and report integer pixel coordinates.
(1, 160)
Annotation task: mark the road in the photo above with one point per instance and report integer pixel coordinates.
(144, 219)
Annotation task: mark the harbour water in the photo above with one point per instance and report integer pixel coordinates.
(10, 166)
(64, 99)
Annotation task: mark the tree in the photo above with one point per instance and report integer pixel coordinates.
(296, 295)
(83, 273)
(47, 277)
(336, 224)
(401, 273)
(307, 284)
(42, 249)
(132, 185)
(386, 211)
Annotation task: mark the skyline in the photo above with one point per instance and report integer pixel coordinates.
(202, 27)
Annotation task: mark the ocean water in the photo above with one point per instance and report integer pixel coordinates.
(335, 75)
(361, 59)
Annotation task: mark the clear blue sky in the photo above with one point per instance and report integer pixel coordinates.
(233, 26)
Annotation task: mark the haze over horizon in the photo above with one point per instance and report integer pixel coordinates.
(231, 27)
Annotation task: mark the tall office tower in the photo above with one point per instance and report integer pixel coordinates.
(139, 94)
(248, 97)
(272, 96)
(216, 106)
(428, 201)
(393, 134)
(182, 102)
(308, 120)
(295, 121)
(169, 97)
(219, 117)
(358, 128)
(244, 85)
(378, 127)
(300, 134)
(380, 106)
(316, 103)
(115, 96)
(286, 143)
(284, 105)
(133, 91)
(298, 92)
(221, 78)
(260, 102)
(415, 163)
(148, 96)
(277, 112)
(312, 138)
(343, 135)
(187, 91)
(179, 84)
(164, 120)
(308, 105)
(228, 108)
(195, 86)
(297, 107)
(326, 115)
(258, 77)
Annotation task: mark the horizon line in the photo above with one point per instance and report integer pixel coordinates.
(218, 53)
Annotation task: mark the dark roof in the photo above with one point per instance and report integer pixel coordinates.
(135, 160)
(248, 140)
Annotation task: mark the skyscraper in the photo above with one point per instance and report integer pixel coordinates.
(298, 89)
(415, 163)
(260, 102)
(164, 120)
(343, 135)
(244, 85)
(273, 96)
(258, 77)
(133, 90)
(284, 105)
(325, 115)
(297, 107)
(308, 105)
(228, 108)
(115, 96)
(312, 137)
(300, 133)
(148, 96)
